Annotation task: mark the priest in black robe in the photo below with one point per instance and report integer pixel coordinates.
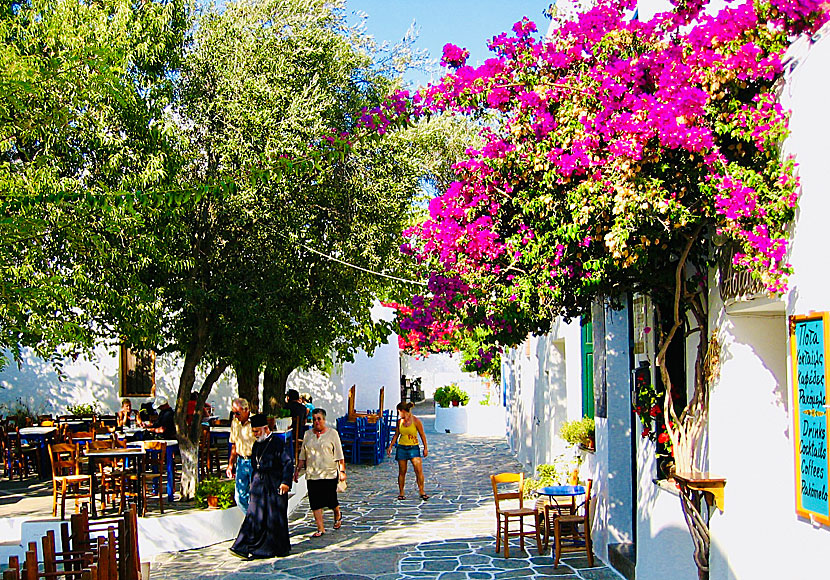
(264, 532)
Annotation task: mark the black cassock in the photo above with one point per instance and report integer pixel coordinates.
(264, 532)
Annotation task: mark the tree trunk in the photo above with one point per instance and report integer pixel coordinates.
(189, 435)
(274, 387)
(247, 380)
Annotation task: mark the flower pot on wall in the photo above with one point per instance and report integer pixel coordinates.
(455, 403)
(213, 502)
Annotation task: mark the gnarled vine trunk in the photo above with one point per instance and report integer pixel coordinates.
(686, 429)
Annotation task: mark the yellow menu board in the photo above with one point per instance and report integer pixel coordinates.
(808, 353)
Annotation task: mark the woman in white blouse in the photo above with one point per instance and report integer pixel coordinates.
(322, 458)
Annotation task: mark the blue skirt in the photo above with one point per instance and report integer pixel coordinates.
(407, 452)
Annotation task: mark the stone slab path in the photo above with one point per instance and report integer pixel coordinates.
(448, 537)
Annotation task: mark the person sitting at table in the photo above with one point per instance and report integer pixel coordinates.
(124, 417)
(146, 413)
(164, 427)
(191, 407)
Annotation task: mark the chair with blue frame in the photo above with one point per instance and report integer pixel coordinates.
(348, 439)
(369, 442)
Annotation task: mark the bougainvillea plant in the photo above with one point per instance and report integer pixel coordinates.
(613, 152)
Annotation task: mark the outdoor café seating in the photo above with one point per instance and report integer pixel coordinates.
(94, 550)
(572, 532)
(505, 490)
(18, 457)
(67, 479)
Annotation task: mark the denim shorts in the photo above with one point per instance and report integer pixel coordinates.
(407, 452)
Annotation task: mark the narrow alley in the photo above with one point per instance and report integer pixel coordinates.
(448, 537)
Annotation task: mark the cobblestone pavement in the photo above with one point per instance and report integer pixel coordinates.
(448, 537)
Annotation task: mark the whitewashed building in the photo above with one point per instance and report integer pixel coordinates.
(751, 439)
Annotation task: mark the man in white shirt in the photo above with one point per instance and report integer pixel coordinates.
(242, 442)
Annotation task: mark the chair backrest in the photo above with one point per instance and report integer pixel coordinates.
(64, 459)
(156, 455)
(204, 439)
(586, 505)
(500, 495)
(103, 462)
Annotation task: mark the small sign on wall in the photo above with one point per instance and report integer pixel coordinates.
(808, 352)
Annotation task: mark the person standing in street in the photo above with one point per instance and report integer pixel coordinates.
(264, 532)
(407, 449)
(242, 442)
(322, 457)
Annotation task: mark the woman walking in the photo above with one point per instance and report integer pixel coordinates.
(406, 437)
(322, 458)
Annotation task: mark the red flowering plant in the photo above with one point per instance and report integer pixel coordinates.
(613, 151)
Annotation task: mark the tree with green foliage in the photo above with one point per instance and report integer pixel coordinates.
(274, 266)
(84, 88)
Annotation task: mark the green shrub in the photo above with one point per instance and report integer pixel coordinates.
(452, 392)
(578, 432)
(83, 409)
(223, 489)
(546, 475)
(18, 413)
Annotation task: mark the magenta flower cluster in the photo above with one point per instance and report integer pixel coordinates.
(611, 134)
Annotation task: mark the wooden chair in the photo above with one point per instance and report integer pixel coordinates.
(572, 532)
(65, 564)
(110, 475)
(19, 457)
(156, 466)
(85, 534)
(66, 476)
(208, 459)
(505, 515)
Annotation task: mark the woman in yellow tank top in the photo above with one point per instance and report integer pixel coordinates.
(407, 449)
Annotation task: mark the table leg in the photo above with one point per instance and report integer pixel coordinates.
(139, 502)
(45, 460)
(171, 484)
(93, 484)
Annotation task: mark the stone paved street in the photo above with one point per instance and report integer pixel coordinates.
(448, 537)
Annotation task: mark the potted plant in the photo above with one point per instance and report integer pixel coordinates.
(83, 409)
(451, 411)
(280, 420)
(580, 432)
(215, 493)
(458, 396)
(451, 394)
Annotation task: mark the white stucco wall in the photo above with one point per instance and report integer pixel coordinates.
(543, 378)
(94, 379)
(370, 373)
(750, 419)
(440, 369)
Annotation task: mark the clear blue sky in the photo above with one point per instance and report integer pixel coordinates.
(466, 23)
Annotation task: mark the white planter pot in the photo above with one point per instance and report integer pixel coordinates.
(450, 419)
(282, 424)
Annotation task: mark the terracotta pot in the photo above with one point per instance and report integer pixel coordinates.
(455, 403)
(213, 502)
